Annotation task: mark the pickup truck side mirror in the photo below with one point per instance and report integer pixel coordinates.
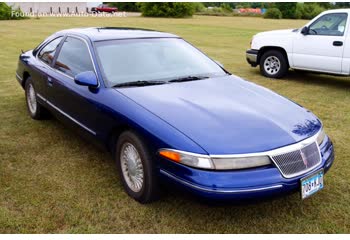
(305, 30)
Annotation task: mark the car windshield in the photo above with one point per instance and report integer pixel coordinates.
(124, 61)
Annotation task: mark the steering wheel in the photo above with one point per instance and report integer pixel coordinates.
(324, 27)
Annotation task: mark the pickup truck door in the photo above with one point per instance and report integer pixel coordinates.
(321, 49)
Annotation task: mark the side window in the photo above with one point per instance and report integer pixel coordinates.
(332, 24)
(74, 57)
(48, 52)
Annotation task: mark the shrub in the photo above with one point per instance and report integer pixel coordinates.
(198, 7)
(311, 10)
(7, 13)
(226, 7)
(167, 9)
(273, 13)
(287, 9)
(299, 11)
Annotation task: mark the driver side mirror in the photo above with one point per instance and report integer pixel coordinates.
(86, 79)
(305, 30)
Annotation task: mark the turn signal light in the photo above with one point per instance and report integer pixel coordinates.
(170, 155)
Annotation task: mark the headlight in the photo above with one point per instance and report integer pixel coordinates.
(206, 162)
(321, 136)
(241, 163)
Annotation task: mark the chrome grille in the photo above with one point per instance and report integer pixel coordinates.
(297, 162)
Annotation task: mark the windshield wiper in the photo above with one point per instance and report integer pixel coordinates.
(139, 83)
(188, 78)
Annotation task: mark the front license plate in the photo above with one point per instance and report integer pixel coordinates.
(311, 184)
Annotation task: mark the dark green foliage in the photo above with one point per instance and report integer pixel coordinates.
(226, 7)
(308, 10)
(218, 4)
(167, 9)
(7, 13)
(198, 6)
(273, 13)
(342, 5)
(311, 10)
(287, 9)
(125, 6)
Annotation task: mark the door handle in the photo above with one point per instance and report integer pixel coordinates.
(337, 43)
(49, 81)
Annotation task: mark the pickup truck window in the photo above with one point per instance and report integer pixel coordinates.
(332, 24)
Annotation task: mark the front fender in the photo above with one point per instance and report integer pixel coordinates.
(119, 110)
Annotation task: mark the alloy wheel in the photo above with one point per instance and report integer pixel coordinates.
(31, 99)
(131, 166)
(272, 65)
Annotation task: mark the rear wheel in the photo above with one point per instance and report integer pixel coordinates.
(35, 109)
(136, 168)
(273, 64)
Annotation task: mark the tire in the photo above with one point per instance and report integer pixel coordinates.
(147, 189)
(273, 64)
(35, 109)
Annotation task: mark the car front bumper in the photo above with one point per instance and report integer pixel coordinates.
(255, 183)
(252, 57)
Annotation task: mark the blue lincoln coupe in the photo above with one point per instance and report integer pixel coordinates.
(171, 115)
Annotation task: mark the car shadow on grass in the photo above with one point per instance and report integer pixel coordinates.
(312, 78)
(339, 82)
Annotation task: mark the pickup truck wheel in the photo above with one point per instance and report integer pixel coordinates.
(136, 168)
(273, 64)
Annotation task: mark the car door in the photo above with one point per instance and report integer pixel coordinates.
(45, 58)
(77, 103)
(321, 49)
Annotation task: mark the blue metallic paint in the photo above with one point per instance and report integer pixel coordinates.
(225, 115)
(86, 79)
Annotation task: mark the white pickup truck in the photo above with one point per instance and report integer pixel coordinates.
(323, 45)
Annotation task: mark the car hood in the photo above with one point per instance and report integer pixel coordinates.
(276, 33)
(227, 115)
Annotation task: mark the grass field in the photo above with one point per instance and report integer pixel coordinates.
(52, 181)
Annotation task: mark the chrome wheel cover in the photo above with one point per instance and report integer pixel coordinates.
(132, 167)
(31, 99)
(272, 65)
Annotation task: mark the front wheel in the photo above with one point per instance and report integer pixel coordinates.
(136, 168)
(273, 64)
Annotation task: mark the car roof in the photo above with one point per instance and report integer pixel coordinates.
(110, 33)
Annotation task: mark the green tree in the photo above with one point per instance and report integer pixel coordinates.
(167, 9)
(273, 13)
(342, 5)
(287, 9)
(311, 10)
(198, 6)
(7, 13)
(226, 7)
